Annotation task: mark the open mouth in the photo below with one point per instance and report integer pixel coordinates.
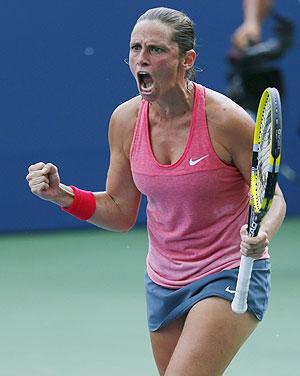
(145, 81)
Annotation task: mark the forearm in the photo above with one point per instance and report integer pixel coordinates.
(256, 246)
(111, 215)
(256, 10)
(275, 216)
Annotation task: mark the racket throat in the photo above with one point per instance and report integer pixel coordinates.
(253, 223)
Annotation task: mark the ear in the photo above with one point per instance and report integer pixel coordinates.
(189, 59)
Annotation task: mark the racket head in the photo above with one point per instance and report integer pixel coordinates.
(266, 152)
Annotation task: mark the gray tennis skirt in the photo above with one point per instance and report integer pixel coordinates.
(165, 305)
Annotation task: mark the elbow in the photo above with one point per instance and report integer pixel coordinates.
(116, 224)
(115, 227)
(123, 224)
(126, 225)
(282, 203)
(283, 207)
(126, 220)
(124, 230)
(280, 198)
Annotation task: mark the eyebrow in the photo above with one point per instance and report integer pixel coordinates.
(150, 43)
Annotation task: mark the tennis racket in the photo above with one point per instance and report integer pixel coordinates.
(264, 174)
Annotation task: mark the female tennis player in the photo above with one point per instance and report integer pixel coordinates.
(188, 149)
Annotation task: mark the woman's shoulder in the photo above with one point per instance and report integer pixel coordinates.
(224, 113)
(122, 123)
(229, 124)
(127, 111)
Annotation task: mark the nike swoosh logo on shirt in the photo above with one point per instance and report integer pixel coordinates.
(193, 162)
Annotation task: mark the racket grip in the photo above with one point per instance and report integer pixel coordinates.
(239, 303)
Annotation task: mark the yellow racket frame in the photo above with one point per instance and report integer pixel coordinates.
(274, 161)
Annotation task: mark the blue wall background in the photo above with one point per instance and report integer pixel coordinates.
(62, 73)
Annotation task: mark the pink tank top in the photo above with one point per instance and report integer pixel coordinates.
(195, 207)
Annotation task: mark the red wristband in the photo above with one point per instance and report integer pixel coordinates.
(83, 205)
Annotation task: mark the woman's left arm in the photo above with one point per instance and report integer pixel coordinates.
(233, 135)
(255, 247)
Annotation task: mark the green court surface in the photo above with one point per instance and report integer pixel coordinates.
(72, 304)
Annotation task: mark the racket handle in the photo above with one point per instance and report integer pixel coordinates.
(239, 303)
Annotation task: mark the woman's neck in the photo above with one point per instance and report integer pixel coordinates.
(177, 102)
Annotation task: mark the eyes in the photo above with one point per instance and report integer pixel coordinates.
(154, 50)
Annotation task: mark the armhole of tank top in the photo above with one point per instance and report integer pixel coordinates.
(136, 126)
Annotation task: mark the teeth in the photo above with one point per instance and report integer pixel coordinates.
(146, 80)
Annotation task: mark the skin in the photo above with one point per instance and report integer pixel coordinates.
(204, 341)
(250, 30)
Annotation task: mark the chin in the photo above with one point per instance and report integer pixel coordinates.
(150, 96)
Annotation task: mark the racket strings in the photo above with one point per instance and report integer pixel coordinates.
(264, 153)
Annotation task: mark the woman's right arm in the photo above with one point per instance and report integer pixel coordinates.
(116, 207)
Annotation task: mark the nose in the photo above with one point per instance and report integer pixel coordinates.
(143, 57)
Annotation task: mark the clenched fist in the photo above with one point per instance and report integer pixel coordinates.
(44, 182)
